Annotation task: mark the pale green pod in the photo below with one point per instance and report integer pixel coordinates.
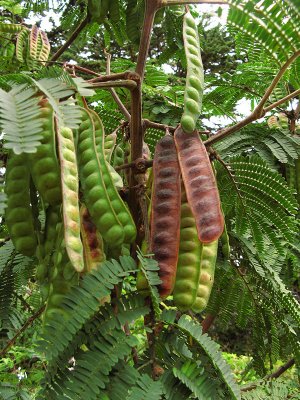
(207, 271)
(121, 210)
(195, 76)
(70, 199)
(188, 266)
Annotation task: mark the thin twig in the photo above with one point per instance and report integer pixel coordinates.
(133, 350)
(181, 2)
(126, 83)
(281, 369)
(114, 77)
(71, 39)
(150, 124)
(30, 320)
(114, 94)
(283, 100)
(259, 111)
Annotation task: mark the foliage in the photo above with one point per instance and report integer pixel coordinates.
(105, 340)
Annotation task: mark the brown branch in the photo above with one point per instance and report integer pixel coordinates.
(151, 7)
(114, 77)
(281, 369)
(283, 100)
(207, 322)
(126, 83)
(149, 124)
(82, 69)
(181, 2)
(259, 111)
(30, 320)
(114, 94)
(133, 349)
(71, 39)
(274, 375)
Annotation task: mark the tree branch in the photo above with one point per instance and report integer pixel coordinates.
(207, 322)
(114, 94)
(259, 111)
(283, 100)
(30, 320)
(126, 83)
(281, 369)
(181, 2)
(71, 39)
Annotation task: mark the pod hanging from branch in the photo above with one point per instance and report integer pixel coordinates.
(200, 185)
(165, 212)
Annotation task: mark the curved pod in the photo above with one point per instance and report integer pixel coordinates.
(200, 185)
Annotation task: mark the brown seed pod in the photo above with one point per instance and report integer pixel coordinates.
(165, 212)
(200, 185)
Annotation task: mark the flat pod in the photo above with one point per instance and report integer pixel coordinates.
(165, 212)
(200, 185)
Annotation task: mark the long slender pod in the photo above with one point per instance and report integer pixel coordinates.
(165, 212)
(200, 185)
(109, 145)
(18, 214)
(44, 166)
(195, 76)
(70, 199)
(188, 266)
(207, 267)
(92, 178)
(121, 210)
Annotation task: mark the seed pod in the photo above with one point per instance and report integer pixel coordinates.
(207, 268)
(92, 241)
(11, 28)
(70, 200)
(109, 145)
(195, 77)
(200, 185)
(21, 43)
(18, 214)
(225, 243)
(93, 179)
(117, 203)
(44, 166)
(188, 266)
(165, 212)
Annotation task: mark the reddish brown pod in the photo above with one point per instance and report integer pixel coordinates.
(165, 212)
(200, 185)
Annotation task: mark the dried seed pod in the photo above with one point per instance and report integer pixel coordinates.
(165, 212)
(92, 241)
(200, 185)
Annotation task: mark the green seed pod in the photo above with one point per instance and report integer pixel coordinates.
(207, 271)
(93, 177)
(109, 145)
(18, 214)
(225, 243)
(119, 206)
(70, 200)
(188, 266)
(195, 76)
(11, 28)
(44, 166)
